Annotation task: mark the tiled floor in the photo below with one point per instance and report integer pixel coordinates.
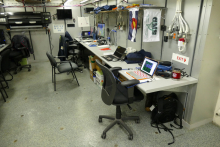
(35, 115)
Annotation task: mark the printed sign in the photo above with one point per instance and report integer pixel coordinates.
(58, 28)
(180, 58)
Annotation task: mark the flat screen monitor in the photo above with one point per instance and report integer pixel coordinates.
(149, 66)
(64, 13)
(101, 29)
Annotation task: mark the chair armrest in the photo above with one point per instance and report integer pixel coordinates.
(21, 48)
(131, 89)
(59, 56)
(130, 82)
(115, 69)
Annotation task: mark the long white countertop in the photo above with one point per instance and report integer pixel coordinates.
(156, 85)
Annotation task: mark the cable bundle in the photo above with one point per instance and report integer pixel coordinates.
(179, 25)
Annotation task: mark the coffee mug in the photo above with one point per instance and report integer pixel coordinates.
(176, 74)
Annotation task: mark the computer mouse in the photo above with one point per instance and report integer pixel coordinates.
(115, 59)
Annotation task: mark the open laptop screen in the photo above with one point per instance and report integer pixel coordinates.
(149, 66)
(119, 51)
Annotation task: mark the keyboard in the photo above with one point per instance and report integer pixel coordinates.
(138, 74)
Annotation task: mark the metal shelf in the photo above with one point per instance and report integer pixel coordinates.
(141, 8)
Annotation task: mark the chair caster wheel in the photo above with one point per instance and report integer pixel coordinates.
(130, 137)
(29, 69)
(100, 120)
(103, 136)
(137, 121)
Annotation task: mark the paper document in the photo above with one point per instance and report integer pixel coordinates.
(109, 53)
(83, 22)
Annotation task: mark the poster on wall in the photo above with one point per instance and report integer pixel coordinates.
(83, 22)
(151, 25)
(58, 28)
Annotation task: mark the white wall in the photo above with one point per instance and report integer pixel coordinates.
(216, 118)
(208, 86)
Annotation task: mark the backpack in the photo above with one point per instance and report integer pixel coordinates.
(168, 108)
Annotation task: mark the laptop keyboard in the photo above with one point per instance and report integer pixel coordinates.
(138, 74)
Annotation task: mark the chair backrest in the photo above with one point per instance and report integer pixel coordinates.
(52, 60)
(5, 64)
(0, 63)
(67, 35)
(109, 85)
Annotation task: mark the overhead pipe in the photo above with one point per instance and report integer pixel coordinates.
(38, 6)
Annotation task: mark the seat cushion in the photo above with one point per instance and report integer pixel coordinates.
(15, 53)
(121, 96)
(65, 67)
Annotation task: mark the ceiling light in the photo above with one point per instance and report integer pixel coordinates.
(84, 1)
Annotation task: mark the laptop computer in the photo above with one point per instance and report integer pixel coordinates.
(147, 70)
(117, 54)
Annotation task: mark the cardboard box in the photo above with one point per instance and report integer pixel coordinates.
(122, 78)
(91, 63)
(91, 75)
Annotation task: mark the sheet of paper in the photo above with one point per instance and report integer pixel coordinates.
(147, 80)
(157, 79)
(83, 22)
(58, 28)
(109, 53)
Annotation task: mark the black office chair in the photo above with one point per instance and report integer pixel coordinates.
(17, 55)
(20, 49)
(117, 93)
(73, 50)
(6, 65)
(2, 87)
(63, 67)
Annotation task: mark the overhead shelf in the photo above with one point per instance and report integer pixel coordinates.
(141, 8)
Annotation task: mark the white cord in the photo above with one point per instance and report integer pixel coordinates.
(178, 20)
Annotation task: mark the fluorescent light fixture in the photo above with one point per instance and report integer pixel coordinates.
(84, 1)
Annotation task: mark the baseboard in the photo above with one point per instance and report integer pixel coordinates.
(195, 125)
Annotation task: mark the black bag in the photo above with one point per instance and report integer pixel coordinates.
(137, 57)
(168, 108)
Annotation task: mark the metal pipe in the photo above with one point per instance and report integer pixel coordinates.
(197, 33)
(31, 43)
(161, 51)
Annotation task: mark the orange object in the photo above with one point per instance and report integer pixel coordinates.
(115, 8)
(174, 35)
(105, 49)
(131, 6)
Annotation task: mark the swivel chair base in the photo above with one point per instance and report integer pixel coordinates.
(28, 66)
(119, 120)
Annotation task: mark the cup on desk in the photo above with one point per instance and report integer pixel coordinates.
(176, 74)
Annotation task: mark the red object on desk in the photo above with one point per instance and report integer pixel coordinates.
(105, 49)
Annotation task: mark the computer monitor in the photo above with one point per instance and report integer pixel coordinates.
(64, 13)
(149, 66)
(101, 30)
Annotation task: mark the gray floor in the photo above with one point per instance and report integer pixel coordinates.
(35, 115)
